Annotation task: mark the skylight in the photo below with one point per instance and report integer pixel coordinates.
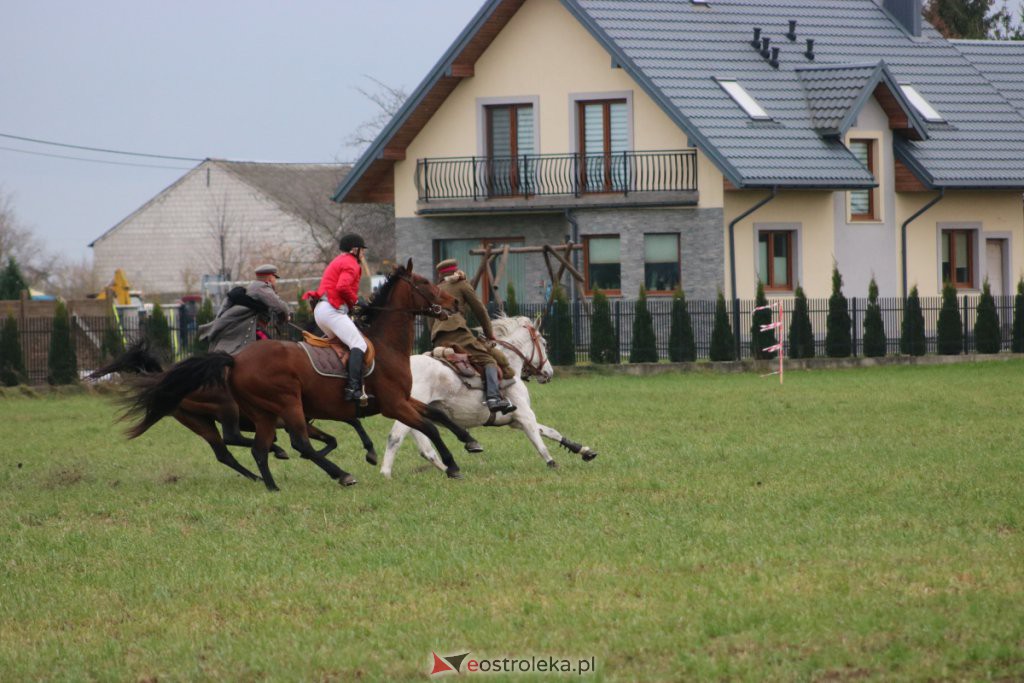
(743, 98)
(921, 104)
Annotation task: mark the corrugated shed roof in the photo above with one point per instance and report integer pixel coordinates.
(1002, 62)
(677, 49)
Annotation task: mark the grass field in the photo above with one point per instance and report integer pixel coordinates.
(854, 524)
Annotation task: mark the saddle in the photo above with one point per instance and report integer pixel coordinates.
(330, 357)
(458, 361)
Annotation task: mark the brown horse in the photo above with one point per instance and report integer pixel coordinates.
(201, 410)
(273, 380)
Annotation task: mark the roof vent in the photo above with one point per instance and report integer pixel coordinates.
(756, 42)
(792, 30)
(774, 61)
(766, 47)
(809, 53)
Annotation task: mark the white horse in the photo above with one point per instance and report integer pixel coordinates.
(435, 383)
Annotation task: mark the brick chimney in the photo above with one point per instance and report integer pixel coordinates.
(907, 14)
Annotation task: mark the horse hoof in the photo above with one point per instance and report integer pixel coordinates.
(348, 480)
(371, 457)
(273, 488)
(588, 454)
(473, 447)
(552, 465)
(453, 473)
(282, 456)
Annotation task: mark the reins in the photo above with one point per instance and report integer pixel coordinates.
(431, 310)
(535, 349)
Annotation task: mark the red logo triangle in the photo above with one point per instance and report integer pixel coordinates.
(440, 665)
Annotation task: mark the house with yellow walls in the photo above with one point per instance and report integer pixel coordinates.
(709, 144)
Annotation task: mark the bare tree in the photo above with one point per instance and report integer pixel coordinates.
(388, 100)
(228, 237)
(18, 242)
(75, 279)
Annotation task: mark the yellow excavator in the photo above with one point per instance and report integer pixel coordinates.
(118, 290)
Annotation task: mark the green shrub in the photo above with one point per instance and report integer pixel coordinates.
(874, 328)
(644, 346)
(62, 361)
(511, 305)
(12, 361)
(112, 344)
(801, 334)
(12, 282)
(158, 334)
(838, 342)
(912, 340)
(681, 348)
(759, 341)
(558, 330)
(205, 315)
(951, 326)
(723, 344)
(604, 344)
(987, 337)
(1017, 342)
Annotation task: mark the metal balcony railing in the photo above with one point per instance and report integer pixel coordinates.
(556, 174)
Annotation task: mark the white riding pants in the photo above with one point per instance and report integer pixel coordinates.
(335, 322)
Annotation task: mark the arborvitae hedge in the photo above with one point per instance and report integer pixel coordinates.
(158, 333)
(1017, 341)
(12, 361)
(874, 328)
(12, 282)
(838, 343)
(511, 305)
(205, 315)
(604, 345)
(723, 344)
(644, 347)
(951, 325)
(558, 330)
(761, 340)
(681, 348)
(62, 362)
(112, 344)
(987, 338)
(801, 335)
(912, 340)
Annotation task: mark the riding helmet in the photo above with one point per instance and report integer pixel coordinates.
(350, 241)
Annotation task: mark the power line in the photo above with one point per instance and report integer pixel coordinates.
(97, 149)
(95, 161)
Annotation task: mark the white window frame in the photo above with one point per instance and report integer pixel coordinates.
(923, 106)
(744, 99)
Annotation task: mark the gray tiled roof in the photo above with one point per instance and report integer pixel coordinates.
(676, 49)
(303, 190)
(831, 92)
(1002, 62)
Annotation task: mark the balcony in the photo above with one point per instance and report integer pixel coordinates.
(556, 181)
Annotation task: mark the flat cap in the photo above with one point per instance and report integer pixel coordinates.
(448, 265)
(266, 269)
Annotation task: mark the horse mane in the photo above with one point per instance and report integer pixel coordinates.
(379, 299)
(505, 326)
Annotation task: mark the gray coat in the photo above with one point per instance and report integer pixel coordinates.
(235, 326)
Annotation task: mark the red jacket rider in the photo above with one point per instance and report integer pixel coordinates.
(341, 281)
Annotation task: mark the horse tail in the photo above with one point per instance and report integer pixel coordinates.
(137, 359)
(154, 397)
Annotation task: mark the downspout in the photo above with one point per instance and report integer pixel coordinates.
(732, 262)
(903, 234)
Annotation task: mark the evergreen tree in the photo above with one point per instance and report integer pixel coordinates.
(62, 362)
(112, 344)
(801, 334)
(912, 340)
(644, 346)
(423, 343)
(874, 328)
(511, 305)
(604, 343)
(838, 343)
(681, 348)
(951, 326)
(970, 19)
(723, 344)
(558, 330)
(205, 315)
(1017, 342)
(761, 340)
(12, 282)
(987, 337)
(12, 361)
(158, 334)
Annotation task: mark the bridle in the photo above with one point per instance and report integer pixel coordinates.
(530, 368)
(431, 309)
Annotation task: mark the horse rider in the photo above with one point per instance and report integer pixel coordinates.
(455, 331)
(338, 293)
(244, 313)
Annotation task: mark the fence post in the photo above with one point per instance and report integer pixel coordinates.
(853, 325)
(964, 315)
(736, 324)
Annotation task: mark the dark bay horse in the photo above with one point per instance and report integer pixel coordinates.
(273, 380)
(201, 410)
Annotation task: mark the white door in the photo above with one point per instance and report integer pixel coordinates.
(994, 266)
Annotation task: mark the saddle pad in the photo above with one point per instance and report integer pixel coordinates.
(324, 360)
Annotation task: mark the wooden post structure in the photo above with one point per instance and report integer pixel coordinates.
(548, 251)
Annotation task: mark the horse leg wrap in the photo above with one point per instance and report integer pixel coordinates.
(571, 445)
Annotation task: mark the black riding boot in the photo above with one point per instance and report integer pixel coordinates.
(354, 389)
(494, 400)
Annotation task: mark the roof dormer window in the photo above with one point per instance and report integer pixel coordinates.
(923, 107)
(739, 94)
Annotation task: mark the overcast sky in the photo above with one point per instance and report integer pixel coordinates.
(263, 80)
